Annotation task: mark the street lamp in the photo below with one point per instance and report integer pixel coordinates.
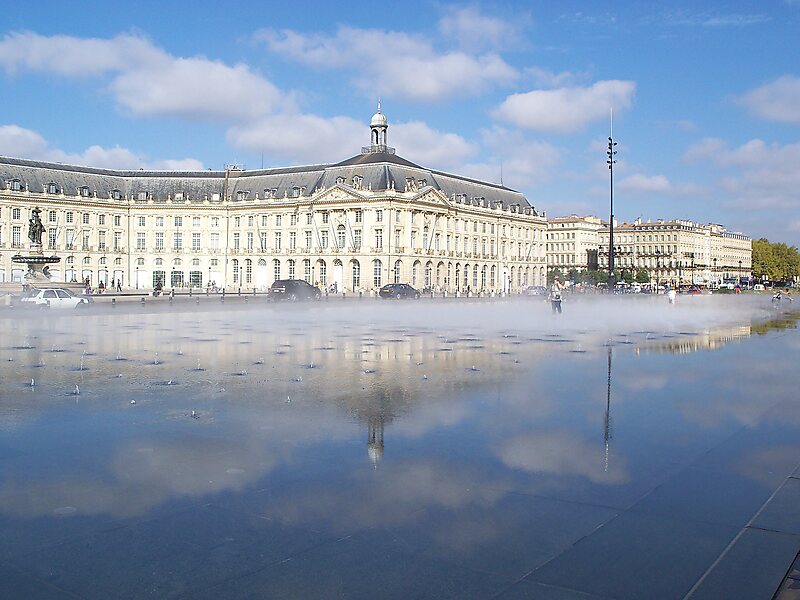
(658, 268)
(680, 274)
(611, 152)
(714, 272)
(137, 277)
(739, 273)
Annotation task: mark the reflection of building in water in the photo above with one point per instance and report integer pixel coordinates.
(375, 439)
(696, 342)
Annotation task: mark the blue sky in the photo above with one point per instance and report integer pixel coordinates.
(706, 96)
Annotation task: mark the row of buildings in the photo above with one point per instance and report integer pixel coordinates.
(355, 225)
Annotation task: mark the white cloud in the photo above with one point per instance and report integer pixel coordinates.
(754, 175)
(301, 138)
(25, 143)
(390, 63)
(566, 109)
(524, 163)
(146, 80)
(777, 101)
(644, 183)
(429, 147)
(550, 79)
(471, 29)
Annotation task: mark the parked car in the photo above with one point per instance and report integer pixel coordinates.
(759, 287)
(398, 291)
(536, 290)
(55, 298)
(293, 290)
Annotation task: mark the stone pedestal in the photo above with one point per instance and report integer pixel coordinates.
(38, 264)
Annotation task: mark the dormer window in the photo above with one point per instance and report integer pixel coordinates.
(423, 183)
(340, 180)
(16, 185)
(179, 196)
(116, 195)
(83, 191)
(52, 188)
(141, 196)
(411, 184)
(357, 180)
(241, 195)
(296, 191)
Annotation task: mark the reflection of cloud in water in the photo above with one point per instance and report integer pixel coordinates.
(639, 381)
(767, 464)
(561, 453)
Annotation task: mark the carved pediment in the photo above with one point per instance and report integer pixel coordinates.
(336, 193)
(433, 197)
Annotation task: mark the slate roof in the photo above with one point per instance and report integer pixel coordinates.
(379, 170)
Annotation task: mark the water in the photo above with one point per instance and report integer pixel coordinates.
(625, 449)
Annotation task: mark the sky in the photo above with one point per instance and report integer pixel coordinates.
(705, 95)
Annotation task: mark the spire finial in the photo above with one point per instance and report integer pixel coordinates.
(379, 104)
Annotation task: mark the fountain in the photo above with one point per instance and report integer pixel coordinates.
(37, 262)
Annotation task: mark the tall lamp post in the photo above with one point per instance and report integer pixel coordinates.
(137, 277)
(739, 274)
(714, 273)
(611, 152)
(658, 269)
(680, 275)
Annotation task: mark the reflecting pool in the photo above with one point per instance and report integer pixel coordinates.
(624, 449)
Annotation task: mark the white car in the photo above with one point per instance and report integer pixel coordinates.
(55, 298)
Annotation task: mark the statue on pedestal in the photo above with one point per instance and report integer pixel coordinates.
(35, 227)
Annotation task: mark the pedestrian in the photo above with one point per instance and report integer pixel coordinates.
(671, 294)
(119, 285)
(555, 295)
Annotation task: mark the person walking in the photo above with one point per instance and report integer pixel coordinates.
(555, 295)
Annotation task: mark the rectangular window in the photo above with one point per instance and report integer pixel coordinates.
(85, 218)
(117, 240)
(51, 216)
(277, 240)
(308, 239)
(308, 218)
(141, 240)
(237, 221)
(159, 221)
(292, 239)
(178, 221)
(278, 220)
(16, 236)
(51, 237)
(101, 219)
(101, 240)
(292, 220)
(263, 239)
(379, 239)
(195, 242)
(215, 221)
(325, 218)
(249, 240)
(357, 238)
(117, 220)
(195, 221)
(70, 239)
(214, 241)
(323, 239)
(379, 216)
(236, 240)
(263, 220)
(396, 238)
(358, 216)
(141, 221)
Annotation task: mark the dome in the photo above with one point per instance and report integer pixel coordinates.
(378, 120)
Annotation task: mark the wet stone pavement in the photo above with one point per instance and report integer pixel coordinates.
(622, 450)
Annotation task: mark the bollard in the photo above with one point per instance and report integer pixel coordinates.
(142, 300)
(239, 293)
(197, 300)
(343, 295)
(190, 292)
(360, 295)
(113, 303)
(254, 291)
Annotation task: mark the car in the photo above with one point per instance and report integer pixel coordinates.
(398, 291)
(759, 287)
(293, 290)
(536, 290)
(55, 298)
(693, 291)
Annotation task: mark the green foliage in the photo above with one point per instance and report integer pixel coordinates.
(777, 261)
(642, 276)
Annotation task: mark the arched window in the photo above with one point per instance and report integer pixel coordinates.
(177, 262)
(458, 274)
(425, 232)
(235, 270)
(475, 277)
(87, 260)
(276, 269)
(291, 268)
(377, 268)
(483, 277)
(340, 237)
(356, 275)
(492, 276)
(428, 272)
(466, 276)
(397, 265)
(323, 272)
(307, 270)
(102, 260)
(414, 274)
(158, 262)
(248, 271)
(140, 262)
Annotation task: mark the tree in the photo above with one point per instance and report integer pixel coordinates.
(642, 276)
(775, 261)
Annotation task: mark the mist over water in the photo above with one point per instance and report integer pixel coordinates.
(463, 428)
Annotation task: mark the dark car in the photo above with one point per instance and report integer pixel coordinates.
(293, 290)
(398, 291)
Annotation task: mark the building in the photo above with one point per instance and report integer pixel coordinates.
(677, 251)
(349, 226)
(573, 242)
